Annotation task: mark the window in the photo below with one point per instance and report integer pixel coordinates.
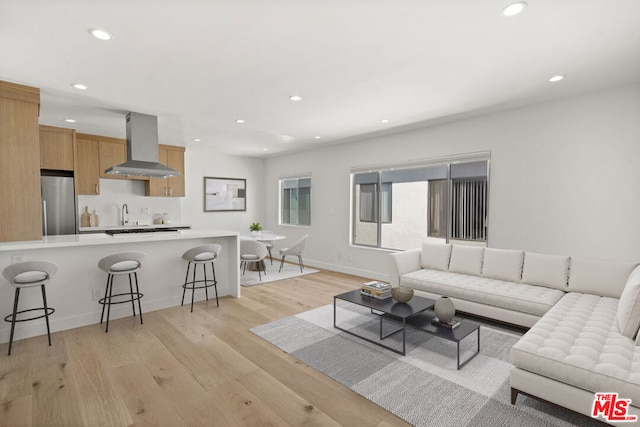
(400, 208)
(295, 206)
(369, 202)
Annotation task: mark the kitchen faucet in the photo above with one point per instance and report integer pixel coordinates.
(125, 211)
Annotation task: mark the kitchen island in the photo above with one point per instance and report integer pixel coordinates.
(75, 289)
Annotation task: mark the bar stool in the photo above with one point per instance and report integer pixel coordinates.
(119, 264)
(27, 275)
(202, 255)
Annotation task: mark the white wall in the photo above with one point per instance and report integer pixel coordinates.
(201, 162)
(115, 192)
(564, 179)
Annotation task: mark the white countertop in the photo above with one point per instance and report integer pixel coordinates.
(105, 239)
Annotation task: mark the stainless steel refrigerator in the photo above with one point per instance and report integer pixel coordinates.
(58, 205)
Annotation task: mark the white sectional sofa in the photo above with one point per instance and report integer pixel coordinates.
(583, 315)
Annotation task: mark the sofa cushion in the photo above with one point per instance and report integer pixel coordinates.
(536, 300)
(599, 276)
(435, 256)
(578, 343)
(629, 306)
(502, 264)
(546, 270)
(466, 259)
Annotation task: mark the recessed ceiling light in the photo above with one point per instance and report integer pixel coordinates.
(196, 140)
(100, 34)
(384, 121)
(239, 121)
(556, 78)
(514, 8)
(80, 86)
(70, 120)
(295, 98)
(265, 149)
(317, 137)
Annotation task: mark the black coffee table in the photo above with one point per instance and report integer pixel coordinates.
(412, 313)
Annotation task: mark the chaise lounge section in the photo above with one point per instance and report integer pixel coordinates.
(583, 315)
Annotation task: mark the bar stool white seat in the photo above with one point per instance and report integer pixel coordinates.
(27, 275)
(128, 263)
(201, 255)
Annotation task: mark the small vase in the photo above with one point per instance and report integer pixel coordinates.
(444, 309)
(85, 218)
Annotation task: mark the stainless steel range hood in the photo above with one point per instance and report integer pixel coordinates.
(142, 149)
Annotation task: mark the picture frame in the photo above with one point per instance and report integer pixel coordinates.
(225, 194)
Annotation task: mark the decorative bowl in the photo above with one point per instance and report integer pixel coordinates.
(401, 293)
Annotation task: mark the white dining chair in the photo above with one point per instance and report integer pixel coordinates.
(268, 244)
(296, 250)
(253, 252)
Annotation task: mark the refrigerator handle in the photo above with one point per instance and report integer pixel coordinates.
(44, 217)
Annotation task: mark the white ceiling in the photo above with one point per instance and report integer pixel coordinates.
(200, 65)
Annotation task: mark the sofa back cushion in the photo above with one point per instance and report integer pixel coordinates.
(502, 264)
(466, 259)
(629, 306)
(598, 276)
(435, 256)
(551, 271)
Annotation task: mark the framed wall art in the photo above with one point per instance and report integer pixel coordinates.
(225, 194)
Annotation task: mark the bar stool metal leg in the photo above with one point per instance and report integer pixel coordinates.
(13, 318)
(184, 288)
(138, 295)
(213, 269)
(193, 286)
(46, 313)
(133, 302)
(206, 288)
(103, 300)
(109, 302)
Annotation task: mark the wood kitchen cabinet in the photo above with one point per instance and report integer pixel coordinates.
(56, 148)
(87, 174)
(113, 151)
(20, 213)
(173, 157)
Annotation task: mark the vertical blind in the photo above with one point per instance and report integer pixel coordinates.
(469, 209)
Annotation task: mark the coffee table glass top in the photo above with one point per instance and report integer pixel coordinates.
(401, 310)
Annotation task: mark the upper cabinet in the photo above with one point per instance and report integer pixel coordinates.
(173, 157)
(113, 151)
(56, 148)
(87, 174)
(96, 153)
(19, 163)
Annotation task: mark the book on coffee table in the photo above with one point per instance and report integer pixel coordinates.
(376, 290)
(451, 324)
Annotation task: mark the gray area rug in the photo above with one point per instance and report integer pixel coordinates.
(251, 278)
(424, 387)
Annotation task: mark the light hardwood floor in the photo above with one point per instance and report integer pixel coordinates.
(184, 369)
